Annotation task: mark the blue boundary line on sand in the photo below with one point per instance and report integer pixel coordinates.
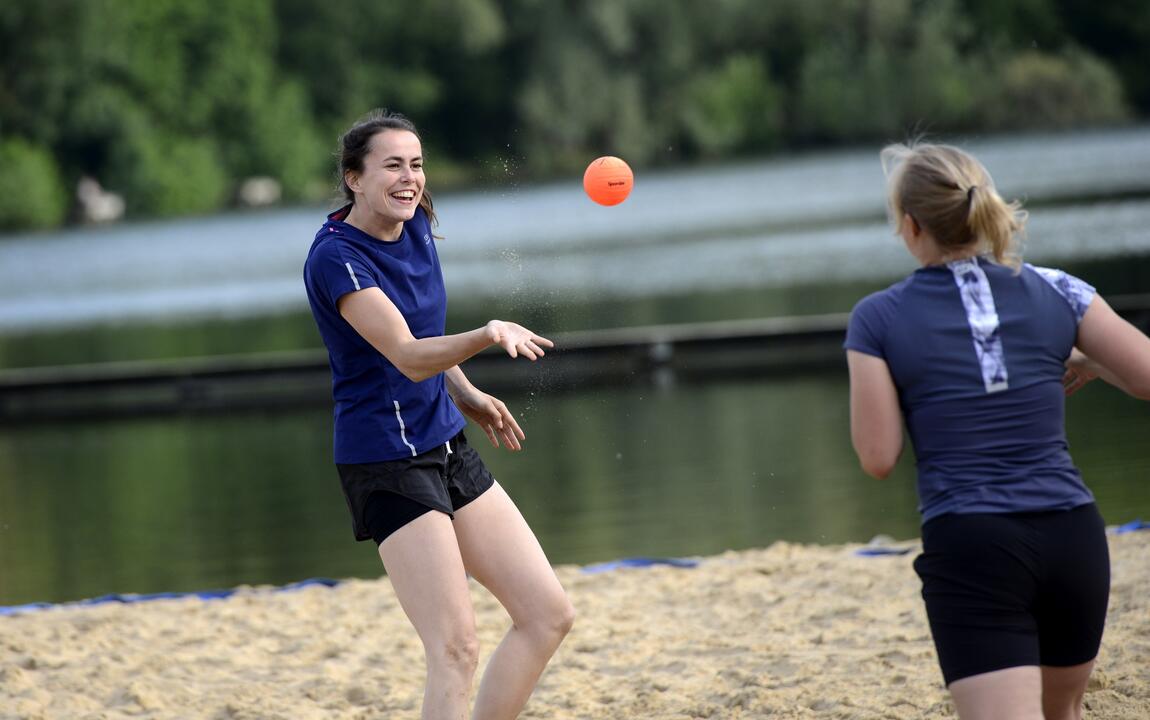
(1136, 524)
(631, 562)
(886, 550)
(637, 562)
(126, 598)
(326, 582)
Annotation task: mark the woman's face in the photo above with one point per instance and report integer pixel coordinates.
(391, 182)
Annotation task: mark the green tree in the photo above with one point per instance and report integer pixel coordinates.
(167, 174)
(1117, 32)
(734, 107)
(531, 88)
(31, 193)
(1038, 90)
(42, 63)
(889, 68)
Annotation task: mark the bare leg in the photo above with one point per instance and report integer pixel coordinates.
(1011, 694)
(423, 562)
(1063, 689)
(502, 553)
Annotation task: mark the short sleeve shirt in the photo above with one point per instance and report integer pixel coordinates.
(977, 353)
(380, 414)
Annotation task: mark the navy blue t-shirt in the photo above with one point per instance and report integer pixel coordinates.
(379, 413)
(977, 353)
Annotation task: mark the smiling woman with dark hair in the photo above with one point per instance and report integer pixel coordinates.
(411, 481)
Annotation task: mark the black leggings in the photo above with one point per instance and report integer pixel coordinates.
(1010, 590)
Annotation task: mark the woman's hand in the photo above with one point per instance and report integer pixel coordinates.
(1079, 371)
(516, 339)
(491, 414)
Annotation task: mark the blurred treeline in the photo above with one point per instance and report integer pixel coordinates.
(172, 103)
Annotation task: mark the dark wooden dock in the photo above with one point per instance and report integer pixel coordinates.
(662, 354)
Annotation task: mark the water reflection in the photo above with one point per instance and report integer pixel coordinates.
(194, 503)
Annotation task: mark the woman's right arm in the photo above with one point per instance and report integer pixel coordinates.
(1115, 350)
(876, 419)
(374, 316)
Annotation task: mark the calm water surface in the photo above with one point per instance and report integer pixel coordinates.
(194, 503)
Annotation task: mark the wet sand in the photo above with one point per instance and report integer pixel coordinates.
(788, 631)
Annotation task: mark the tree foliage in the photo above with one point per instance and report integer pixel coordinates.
(173, 104)
(31, 194)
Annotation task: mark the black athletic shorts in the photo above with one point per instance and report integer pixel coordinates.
(385, 496)
(1015, 589)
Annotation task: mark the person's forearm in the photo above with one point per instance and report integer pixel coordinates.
(421, 358)
(457, 382)
(1090, 368)
(1108, 376)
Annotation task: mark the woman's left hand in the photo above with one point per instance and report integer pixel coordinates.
(491, 414)
(1079, 371)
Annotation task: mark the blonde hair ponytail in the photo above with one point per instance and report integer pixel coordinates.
(951, 195)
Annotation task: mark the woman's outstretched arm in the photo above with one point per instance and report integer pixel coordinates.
(375, 317)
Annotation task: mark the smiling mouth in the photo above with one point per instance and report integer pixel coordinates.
(404, 195)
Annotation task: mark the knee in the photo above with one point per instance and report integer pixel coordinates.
(1063, 690)
(565, 619)
(459, 653)
(553, 624)
(1066, 706)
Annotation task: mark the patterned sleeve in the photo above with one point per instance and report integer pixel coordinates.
(867, 326)
(1078, 293)
(336, 270)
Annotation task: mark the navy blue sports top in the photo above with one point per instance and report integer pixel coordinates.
(976, 352)
(379, 413)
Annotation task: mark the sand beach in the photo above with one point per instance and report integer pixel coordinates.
(788, 631)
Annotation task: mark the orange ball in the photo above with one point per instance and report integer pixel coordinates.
(608, 180)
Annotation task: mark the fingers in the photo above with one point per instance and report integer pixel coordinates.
(506, 426)
(527, 348)
(1073, 381)
(506, 434)
(536, 348)
(518, 340)
(491, 414)
(509, 440)
(511, 426)
(491, 436)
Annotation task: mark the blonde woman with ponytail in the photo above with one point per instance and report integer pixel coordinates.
(976, 352)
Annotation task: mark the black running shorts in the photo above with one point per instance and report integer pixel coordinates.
(444, 478)
(1011, 590)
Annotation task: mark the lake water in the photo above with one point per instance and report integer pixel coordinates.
(686, 468)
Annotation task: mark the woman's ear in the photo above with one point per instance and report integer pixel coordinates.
(911, 225)
(351, 179)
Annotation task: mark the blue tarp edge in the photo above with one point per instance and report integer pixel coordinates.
(632, 562)
(146, 597)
